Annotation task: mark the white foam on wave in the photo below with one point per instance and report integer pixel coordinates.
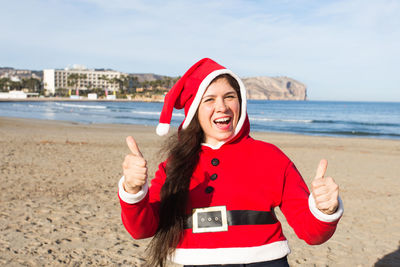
(80, 106)
(155, 113)
(146, 112)
(280, 120)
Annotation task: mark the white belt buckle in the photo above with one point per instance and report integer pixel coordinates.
(211, 216)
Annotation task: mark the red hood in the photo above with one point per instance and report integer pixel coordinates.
(244, 132)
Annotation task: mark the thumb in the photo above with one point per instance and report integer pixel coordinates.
(323, 165)
(133, 147)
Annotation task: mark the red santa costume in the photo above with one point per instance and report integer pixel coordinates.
(233, 191)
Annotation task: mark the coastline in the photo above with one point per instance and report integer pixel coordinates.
(67, 99)
(60, 206)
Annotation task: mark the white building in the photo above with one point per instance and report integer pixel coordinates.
(88, 79)
(13, 95)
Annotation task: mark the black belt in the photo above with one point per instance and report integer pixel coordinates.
(216, 219)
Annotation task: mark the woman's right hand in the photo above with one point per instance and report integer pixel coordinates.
(134, 168)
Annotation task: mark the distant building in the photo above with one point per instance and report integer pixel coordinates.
(88, 79)
(16, 95)
(17, 75)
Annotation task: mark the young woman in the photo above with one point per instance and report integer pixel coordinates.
(212, 201)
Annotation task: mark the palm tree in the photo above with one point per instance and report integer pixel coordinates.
(81, 77)
(115, 80)
(72, 81)
(104, 78)
(5, 84)
(125, 83)
(122, 81)
(75, 80)
(32, 84)
(89, 86)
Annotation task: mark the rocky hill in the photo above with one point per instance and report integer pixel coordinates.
(263, 87)
(275, 88)
(147, 76)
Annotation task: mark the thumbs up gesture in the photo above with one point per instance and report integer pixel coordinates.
(324, 189)
(134, 168)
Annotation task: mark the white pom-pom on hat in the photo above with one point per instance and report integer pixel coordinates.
(162, 129)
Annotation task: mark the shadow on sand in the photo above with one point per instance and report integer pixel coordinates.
(391, 259)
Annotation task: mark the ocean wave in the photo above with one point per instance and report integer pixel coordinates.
(80, 106)
(152, 113)
(370, 120)
(354, 133)
(280, 120)
(155, 113)
(355, 123)
(360, 123)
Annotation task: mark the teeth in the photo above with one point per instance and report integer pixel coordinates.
(222, 120)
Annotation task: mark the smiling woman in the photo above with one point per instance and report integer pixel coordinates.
(212, 200)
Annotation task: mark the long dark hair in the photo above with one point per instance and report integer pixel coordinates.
(183, 155)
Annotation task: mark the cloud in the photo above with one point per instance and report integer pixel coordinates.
(313, 41)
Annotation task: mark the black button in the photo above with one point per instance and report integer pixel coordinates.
(214, 176)
(215, 162)
(209, 189)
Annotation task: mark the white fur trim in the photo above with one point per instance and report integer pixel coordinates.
(131, 198)
(203, 87)
(162, 129)
(243, 110)
(217, 146)
(322, 216)
(200, 256)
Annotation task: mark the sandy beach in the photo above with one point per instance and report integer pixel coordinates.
(59, 204)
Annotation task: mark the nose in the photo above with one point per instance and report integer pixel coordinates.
(220, 105)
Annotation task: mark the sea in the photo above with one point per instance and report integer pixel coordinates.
(322, 118)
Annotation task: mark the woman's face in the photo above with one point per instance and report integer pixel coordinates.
(219, 111)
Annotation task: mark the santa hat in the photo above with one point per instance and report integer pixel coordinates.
(189, 90)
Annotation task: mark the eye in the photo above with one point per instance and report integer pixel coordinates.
(207, 100)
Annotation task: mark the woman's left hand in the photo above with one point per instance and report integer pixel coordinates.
(325, 191)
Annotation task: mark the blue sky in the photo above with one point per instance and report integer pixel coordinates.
(342, 50)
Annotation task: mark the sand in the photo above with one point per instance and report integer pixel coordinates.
(59, 205)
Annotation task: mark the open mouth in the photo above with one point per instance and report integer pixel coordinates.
(223, 122)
